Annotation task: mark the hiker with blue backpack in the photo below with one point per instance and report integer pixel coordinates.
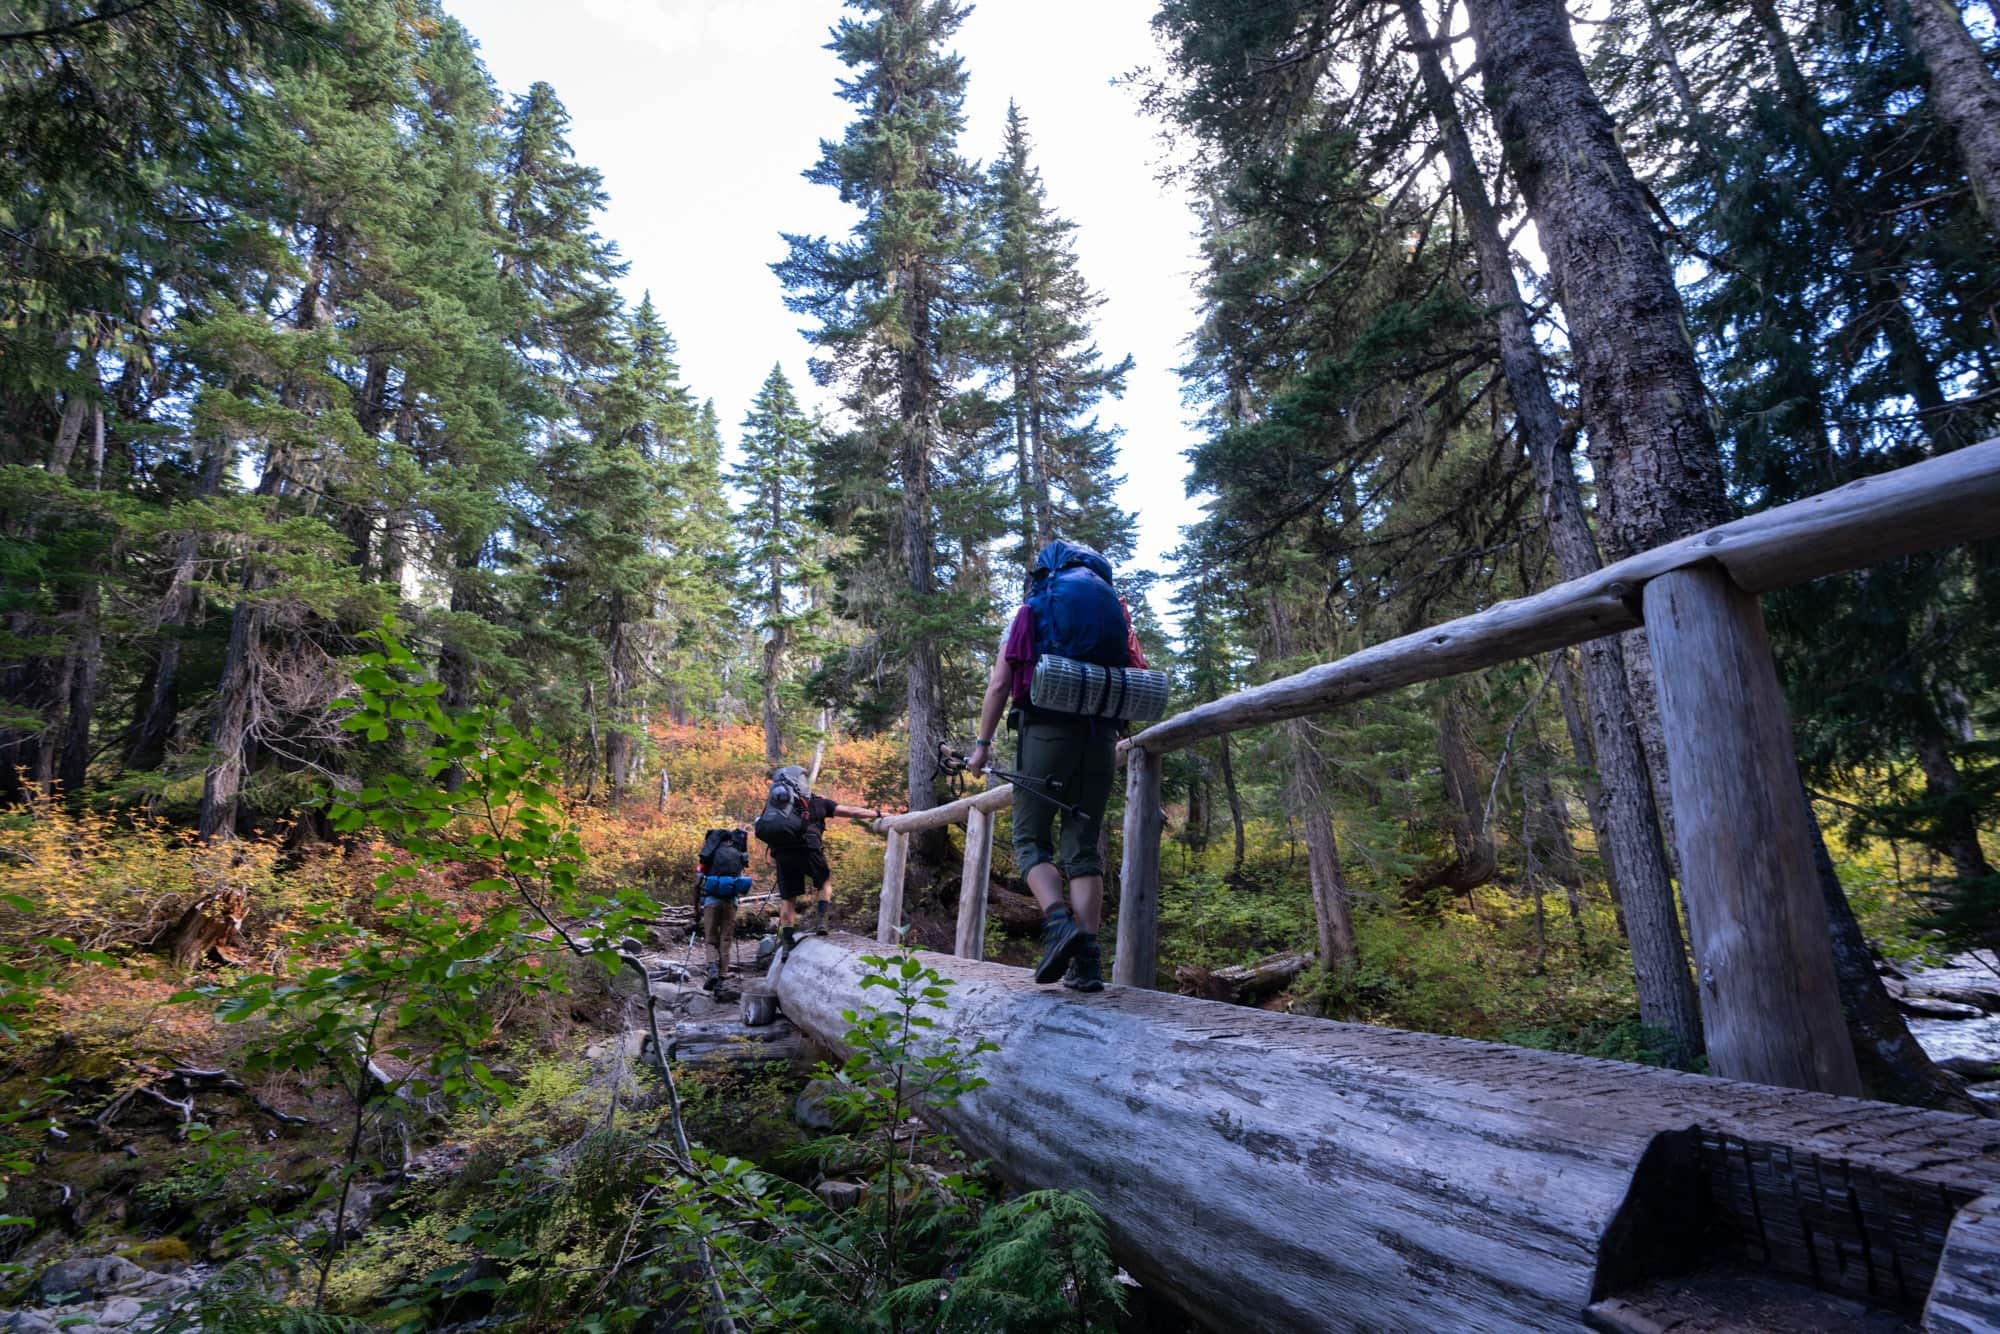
(1068, 674)
(722, 876)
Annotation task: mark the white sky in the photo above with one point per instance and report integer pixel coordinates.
(703, 113)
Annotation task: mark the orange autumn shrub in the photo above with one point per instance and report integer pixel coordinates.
(717, 778)
(115, 880)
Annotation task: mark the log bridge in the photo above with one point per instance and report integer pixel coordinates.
(1275, 1172)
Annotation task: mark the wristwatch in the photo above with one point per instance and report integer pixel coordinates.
(985, 741)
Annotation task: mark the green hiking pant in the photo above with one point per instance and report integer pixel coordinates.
(1069, 761)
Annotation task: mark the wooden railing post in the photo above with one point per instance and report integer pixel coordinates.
(972, 886)
(1136, 961)
(1770, 1001)
(895, 857)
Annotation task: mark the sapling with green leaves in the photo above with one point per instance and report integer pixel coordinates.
(414, 981)
(920, 1249)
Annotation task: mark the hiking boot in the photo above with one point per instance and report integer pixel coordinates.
(787, 937)
(1061, 938)
(821, 911)
(714, 981)
(1086, 969)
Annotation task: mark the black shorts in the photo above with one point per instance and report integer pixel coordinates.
(798, 868)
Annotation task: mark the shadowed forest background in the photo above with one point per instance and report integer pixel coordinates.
(307, 328)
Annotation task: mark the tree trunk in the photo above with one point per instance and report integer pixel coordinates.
(618, 744)
(211, 928)
(918, 418)
(819, 747)
(1623, 808)
(242, 668)
(159, 706)
(48, 746)
(1894, 1066)
(1640, 391)
(84, 677)
(1957, 811)
(1235, 803)
(1473, 858)
(1331, 908)
(1568, 690)
(1964, 94)
(774, 647)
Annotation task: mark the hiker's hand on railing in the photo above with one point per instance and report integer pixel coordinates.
(976, 762)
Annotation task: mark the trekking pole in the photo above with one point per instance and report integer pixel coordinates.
(952, 762)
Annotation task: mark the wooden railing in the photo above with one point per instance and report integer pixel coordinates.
(1743, 834)
(976, 814)
(1743, 830)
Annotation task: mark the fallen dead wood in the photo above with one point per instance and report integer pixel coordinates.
(1371, 1179)
(1244, 984)
(210, 930)
(156, 1085)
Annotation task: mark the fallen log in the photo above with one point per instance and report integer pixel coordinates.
(1275, 1172)
(1244, 984)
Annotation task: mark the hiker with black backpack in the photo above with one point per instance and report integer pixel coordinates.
(722, 876)
(793, 828)
(1068, 673)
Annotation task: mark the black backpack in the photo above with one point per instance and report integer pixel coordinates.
(725, 852)
(782, 826)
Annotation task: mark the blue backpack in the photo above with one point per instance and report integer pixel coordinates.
(1077, 612)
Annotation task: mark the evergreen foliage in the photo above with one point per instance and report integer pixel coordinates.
(893, 307)
(783, 550)
(1037, 331)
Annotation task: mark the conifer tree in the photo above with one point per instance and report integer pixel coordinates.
(891, 304)
(613, 520)
(1052, 377)
(779, 542)
(699, 626)
(1210, 667)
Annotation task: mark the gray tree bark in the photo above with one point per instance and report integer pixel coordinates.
(1235, 800)
(774, 647)
(1964, 94)
(918, 428)
(1332, 910)
(1640, 389)
(1628, 829)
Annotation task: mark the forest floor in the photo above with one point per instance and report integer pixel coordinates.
(149, 1168)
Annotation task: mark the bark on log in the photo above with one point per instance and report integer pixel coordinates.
(895, 863)
(1244, 984)
(1137, 959)
(1965, 1299)
(952, 812)
(1940, 502)
(1363, 1178)
(973, 884)
(1771, 1004)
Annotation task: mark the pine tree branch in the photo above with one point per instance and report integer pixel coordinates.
(75, 25)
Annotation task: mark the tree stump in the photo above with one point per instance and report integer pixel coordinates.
(211, 928)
